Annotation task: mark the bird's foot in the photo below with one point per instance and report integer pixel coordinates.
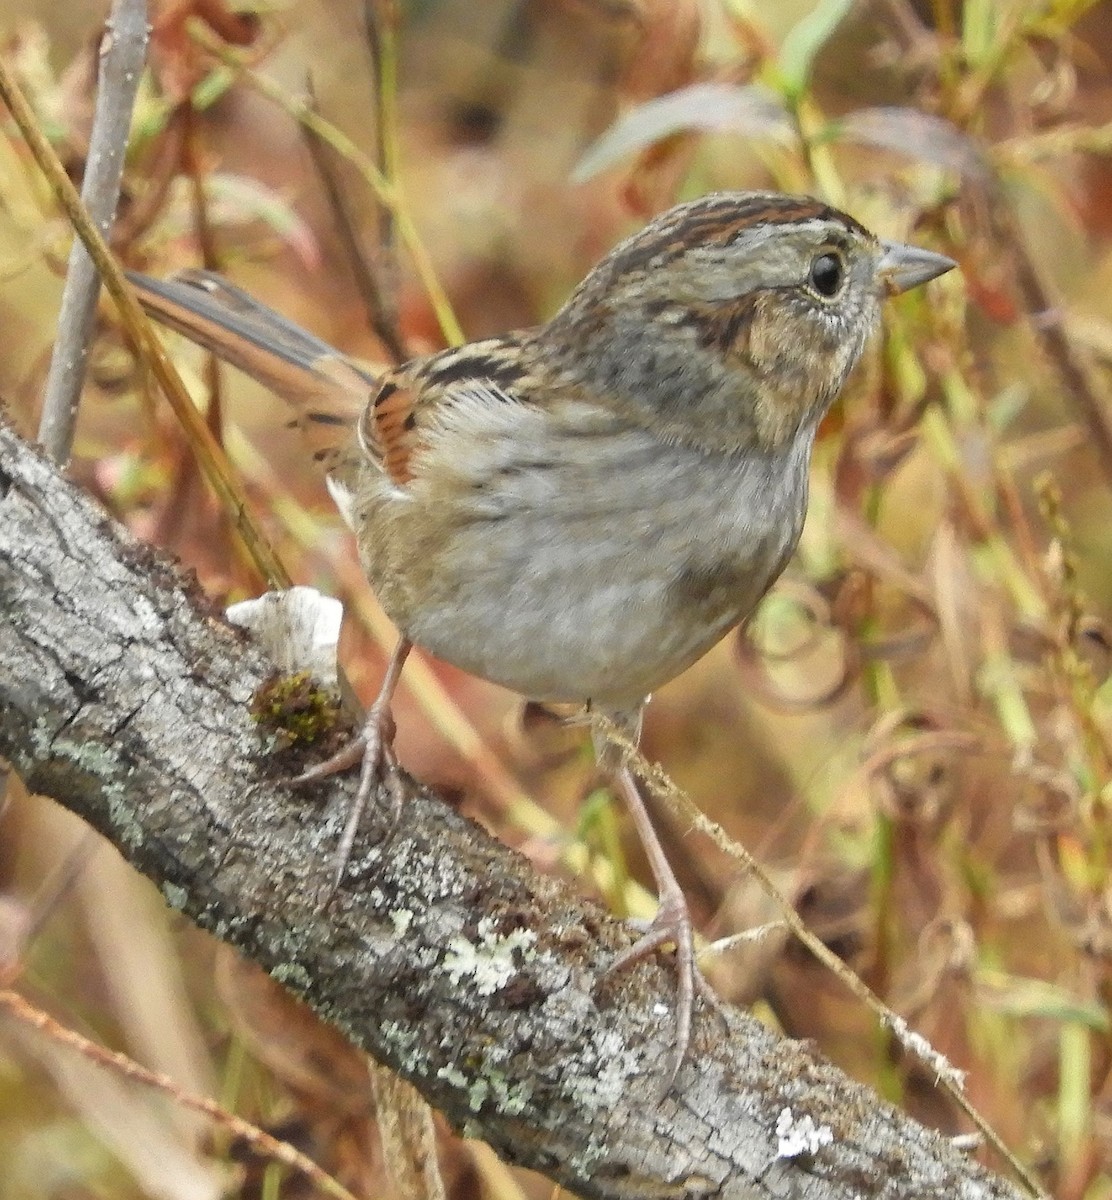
(374, 749)
(672, 924)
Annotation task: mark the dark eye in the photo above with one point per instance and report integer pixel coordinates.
(827, 274)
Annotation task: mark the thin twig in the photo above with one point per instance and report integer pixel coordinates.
(259, 1140)
(381, 311)
(380, 20)
(1051, 334)
(123, 50)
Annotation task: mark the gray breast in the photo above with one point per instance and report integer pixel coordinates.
(600, 569)
(744, 540)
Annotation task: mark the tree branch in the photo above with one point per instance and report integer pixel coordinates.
(125, 697)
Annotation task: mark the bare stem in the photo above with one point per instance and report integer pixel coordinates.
(122, 54)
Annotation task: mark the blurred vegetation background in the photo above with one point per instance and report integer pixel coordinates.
(915, 734)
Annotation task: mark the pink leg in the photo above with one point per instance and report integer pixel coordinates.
(672, 923)
(374, 748)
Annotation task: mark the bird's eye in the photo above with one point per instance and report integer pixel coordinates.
(828, 272)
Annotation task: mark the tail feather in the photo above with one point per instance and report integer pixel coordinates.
(326, 390)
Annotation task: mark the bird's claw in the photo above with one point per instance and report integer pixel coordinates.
(672, 923)
(373, 749)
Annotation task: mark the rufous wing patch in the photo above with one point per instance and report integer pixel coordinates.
(388, 430)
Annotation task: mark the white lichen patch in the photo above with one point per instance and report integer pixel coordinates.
(615, 1065)
(489, 963)
(512, 1098)
(490, 1084)
(401, 919)
(292, 975)
(477, 1093)
(452, 1075)
(176, 897)
(405, 1042)
(121, 812)
(796, 1136)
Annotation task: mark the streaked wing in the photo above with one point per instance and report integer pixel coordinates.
(430, 393)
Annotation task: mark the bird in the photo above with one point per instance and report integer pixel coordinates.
(580, 510)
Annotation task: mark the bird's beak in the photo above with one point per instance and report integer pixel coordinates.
(904, 267)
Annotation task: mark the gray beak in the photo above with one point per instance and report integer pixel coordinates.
(904, 267)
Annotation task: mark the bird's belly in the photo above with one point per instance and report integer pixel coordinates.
(577, 623)
(567, 579)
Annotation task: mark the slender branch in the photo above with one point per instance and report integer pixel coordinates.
(126, 698)
(386, 191)
(381, 21)
(123, 51)
(378, 300)
(1066, 358)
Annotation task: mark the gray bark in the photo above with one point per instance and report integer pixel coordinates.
(124, 696)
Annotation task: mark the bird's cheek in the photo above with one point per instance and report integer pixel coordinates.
(785, 348)
(786, 357)
(766, 339)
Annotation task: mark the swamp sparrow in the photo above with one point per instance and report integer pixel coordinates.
(581, 510)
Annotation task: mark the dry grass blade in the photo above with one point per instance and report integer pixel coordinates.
(408, 1135)
(752, 111)
(918, 135)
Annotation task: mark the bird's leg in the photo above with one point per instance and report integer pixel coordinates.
(374, 747)
(672, 922)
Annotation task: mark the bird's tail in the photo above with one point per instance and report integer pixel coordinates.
(326, 389)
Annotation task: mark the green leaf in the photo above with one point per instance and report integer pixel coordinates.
(213, 87)
(805, 40)
(1019, 996)
(979, 25)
